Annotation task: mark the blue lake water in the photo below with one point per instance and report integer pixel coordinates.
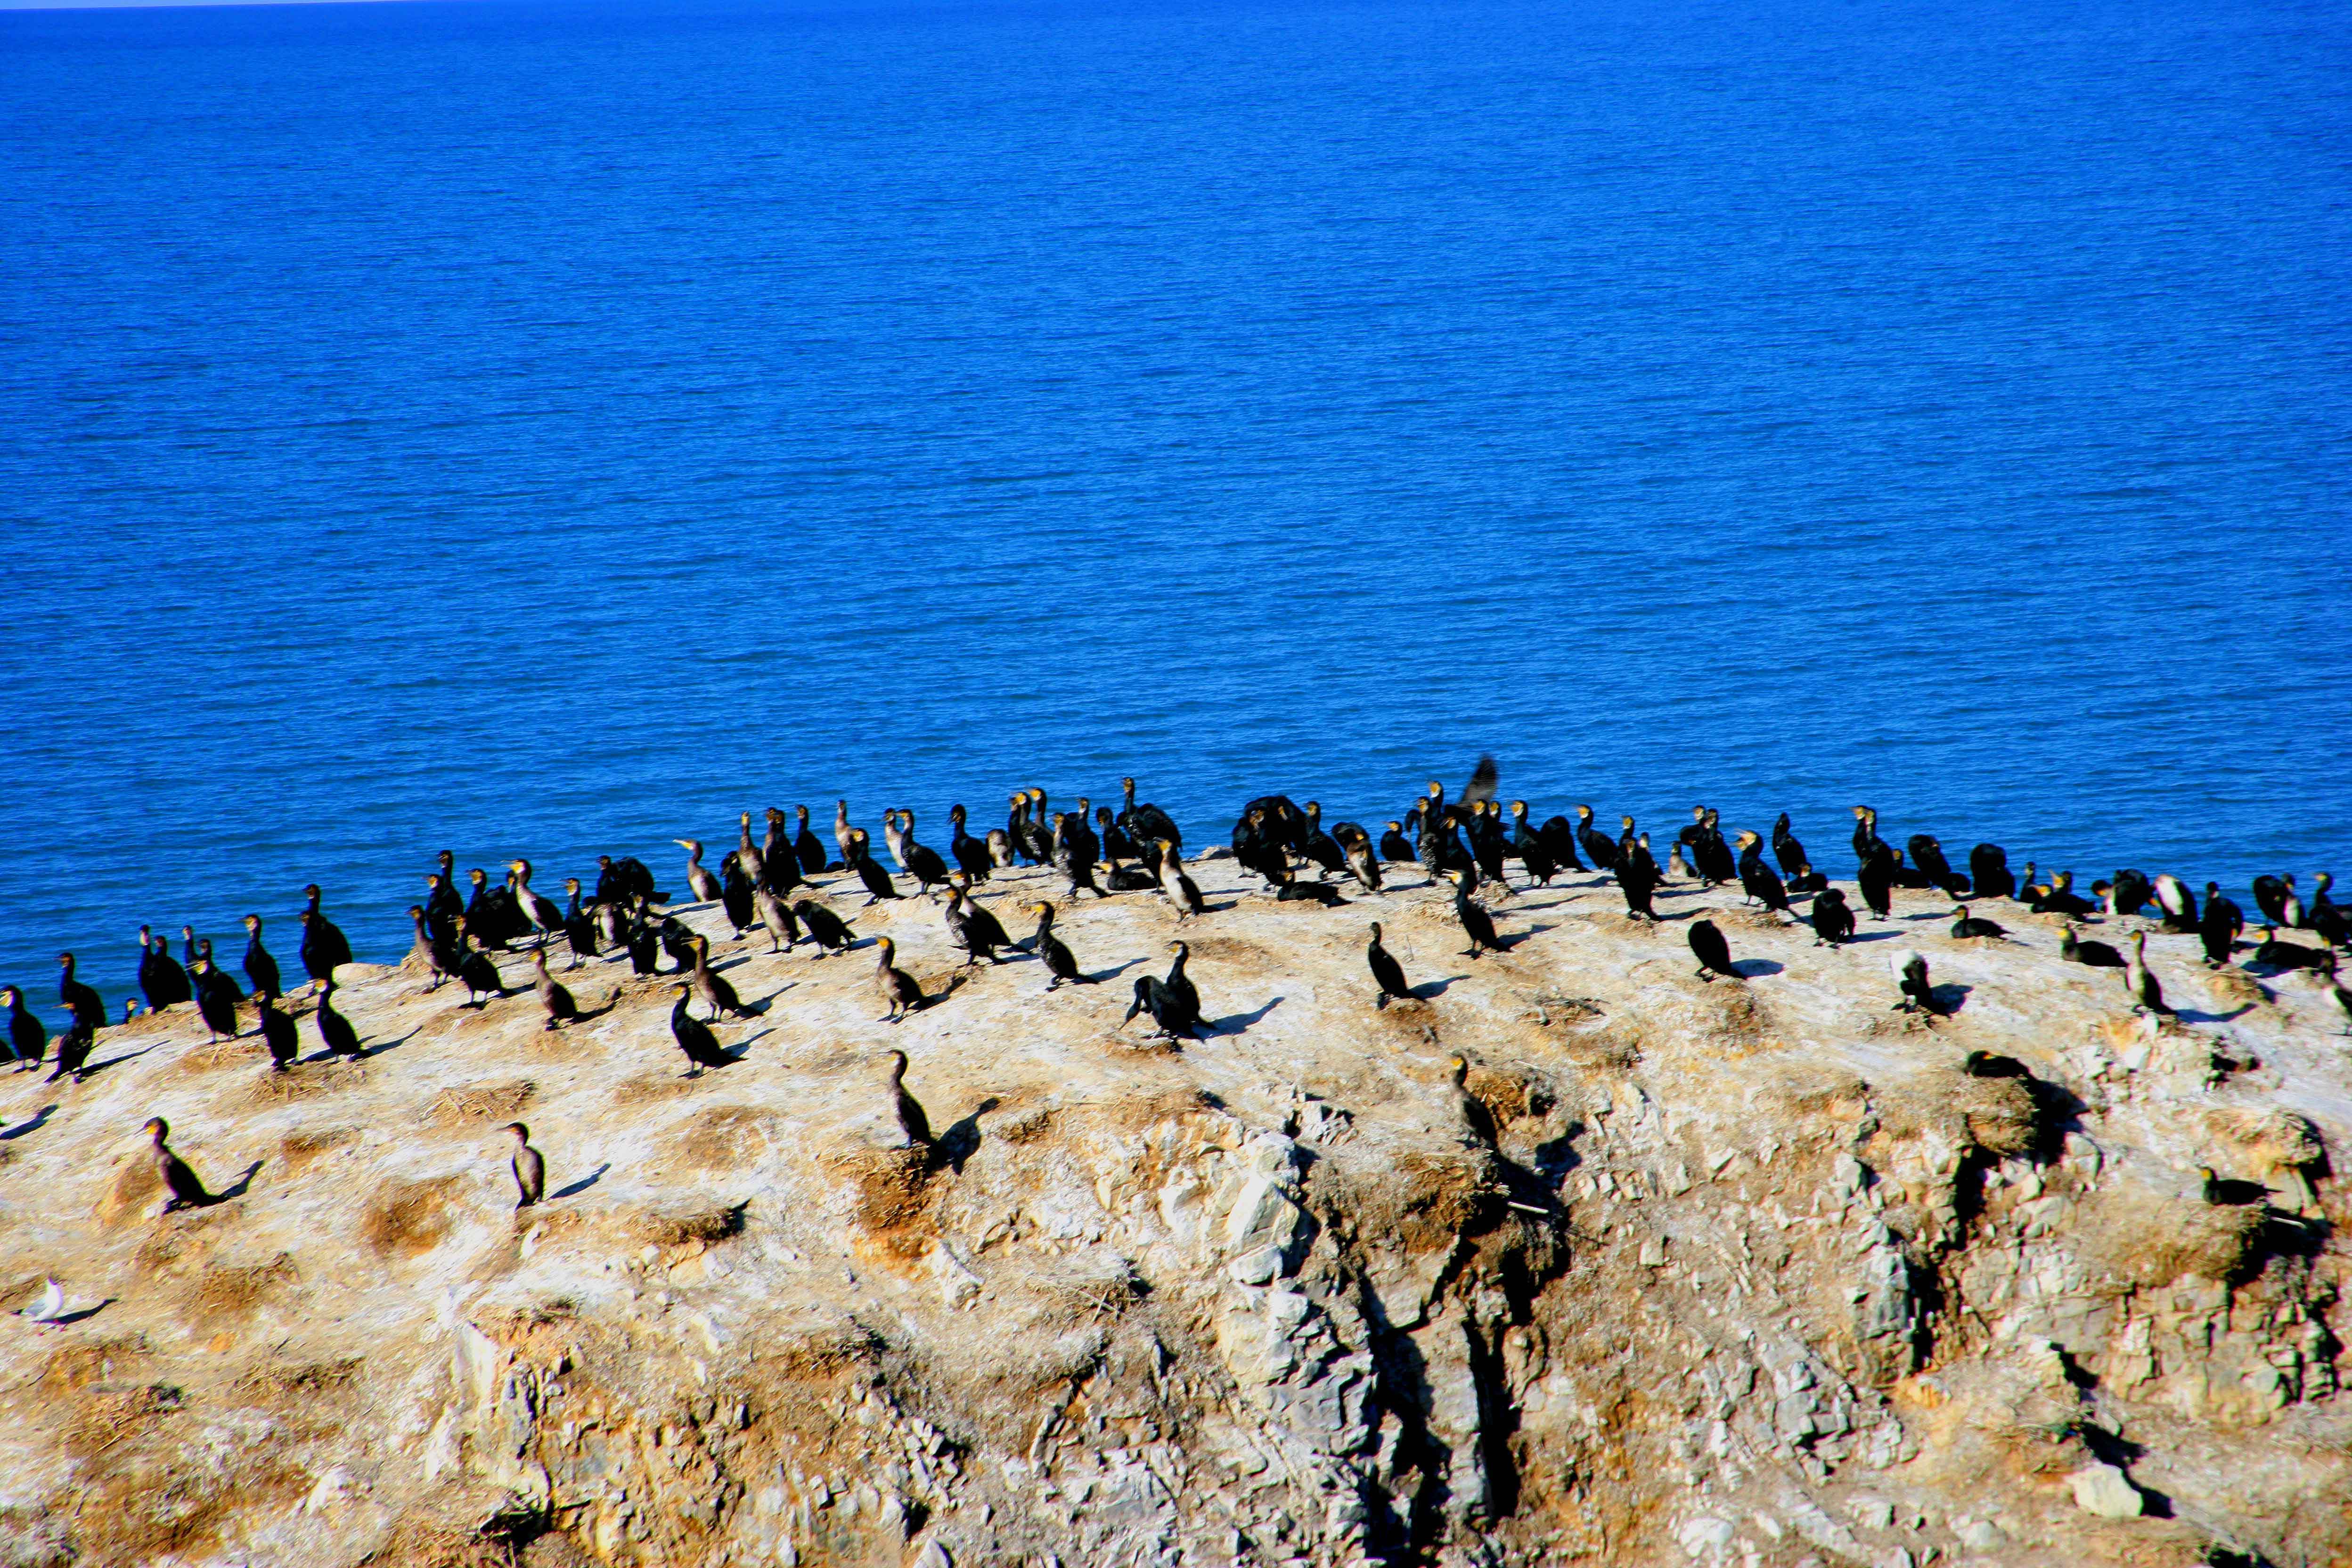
(532, 428)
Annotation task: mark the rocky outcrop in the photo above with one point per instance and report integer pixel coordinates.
(1749, 1272)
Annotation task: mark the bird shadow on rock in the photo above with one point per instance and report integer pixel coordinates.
(93, 1069)
(760, 1007)
(584, 1183)
(239, 1188)
(388, 1045)
(1873, 936)
(2199, 1016)
(1950, 998)
(1750, 968)
(743, 1046)
(1235, 1023)
(1429, 988)
(1113, 973)
(84, 1315)
(955, 1145)
(39, 1119)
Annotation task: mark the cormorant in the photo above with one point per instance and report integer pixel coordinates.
(2269, 896)
(623, 881)
(1082, 842)
(1077, 864)
(1475, 921)
(1832, 920)
(1318, 845)
(1116, 845)
(978, 930)
(644, 942)
(2219, 927)
(86, 1006)
(1559, 841)
(2097, 954)
(323, 945)
(1533, 852)
(1182, 890)
(160, 976)
(579, 929)
(1257, 847)
(1713, 953)
(530, 1169)
(1146, 824)
(911, 1120)
(694, 1036)
(2178, 904)
(970, 854)
(829, 931)
(560, 1008)
(779, 864)
(1876, 878)
(260, 967)
(783, 929)
(1989, 873)
(1289, 889)
(1477, 1122)
(2336, 989)
(806, 845)
(2223, 1192)
(335, 1031)
(705, 887)
(476, 971)
(2129, 892)
(2140, 980)
(1598, 846)
(1928, 857)
(28, 1038)
(2062, 897)
(1488, 845)
(1037, 823)
(2272, 953)
(856, 855)
(1638, 881)
(715, 989)
(443, 907)
(1965, 925)
(842, 832)
(1055, 954)
(895, 836)
(1387, 972)
(179, 1178)
(1000, 849)
(898, 987)
(490, 914)
(1910, 969)
(1173, 1004)
(736, 888)
(1788, 849)
(538, 908)
(746, 854)
(1362, 864)
(1758, 879)
(2326, 916)
(1394, 844)
(276, 1030)
(2290, 907)
(1715, 862)
(435, 956)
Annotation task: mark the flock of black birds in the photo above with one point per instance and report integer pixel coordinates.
(768, 886)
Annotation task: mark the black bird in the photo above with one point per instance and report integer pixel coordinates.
(623, 881)
(260, 968)
(1533, 852)
(324, 947)
(1179, 985)
(179, 1178)
(901, 991)
(1788, 849)
(335, 1031)
(1713, 953)
(1116, 845)
(979, 931)
(1984, 1063)
(1559, 836)
(2062, 897)
(858, 850)
(1319, 847)
(713, 988)
(217, 999)
(923, 862)
(2129, 892)
(1258, 844)
(1637, 878)
(552, 995)
(1758, 879)
(2097, 954)
(1153, 998)
(2220, 925)
(1059, 960)
(535, 912)
(1394, 844)
(806, 845)
(1715, 859)
(443, 907)
(2222, 1191)
(1362, 864)
(73, 1051)
(28, 1038)
(1475, 921)
(2272, 953)
(163, 980)
(1073, 854)
(912, 1122)
(738, 894)
(1476, 1120)
(86, 1006)
(578, 928)
(830, 932)
(1911, 978)
(780, 865)
(2148, 993)
(1146, 824)
(1832, 920)
(1927, 858)
(971, 854)
(1877, 879)
(1289, 889)
(694, 1036)
(1989, 873)
(1965, 925)
(476, 971)
(784, 926)
(276, 1031)
(2269, 896)
(529, 1167)
(1387, 972)
(2178, 904)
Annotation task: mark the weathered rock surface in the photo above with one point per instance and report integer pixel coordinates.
(1754, 1275)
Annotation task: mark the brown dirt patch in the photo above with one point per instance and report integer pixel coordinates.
(268, 1089)
(300, 1147)
(469, 1106)
(649, 1086)
(135, 1193)
(408, 1219)
(693, 1228)
(1421, 1204)
(1025, 1126)
(728, 1135)
(819, 1350)
(892, 1201)
(227, 1293)
(217, 1054)
(2236, 987)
